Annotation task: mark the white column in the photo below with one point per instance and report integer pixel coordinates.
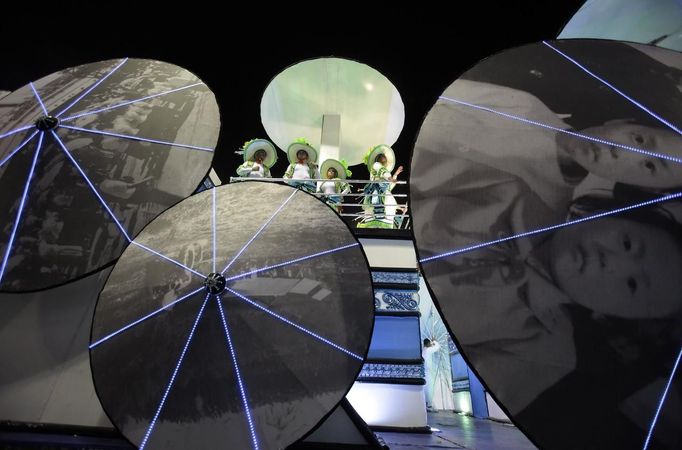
(331, 137)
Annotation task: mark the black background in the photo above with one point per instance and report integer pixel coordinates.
(420, 49)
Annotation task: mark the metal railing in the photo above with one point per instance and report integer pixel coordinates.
(361, 213)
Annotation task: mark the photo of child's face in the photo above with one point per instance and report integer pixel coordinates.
(624, 166)
(619, 267)
(549, 312)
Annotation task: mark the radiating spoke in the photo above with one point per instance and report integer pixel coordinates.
(91, 88)
(258, 232)
(662, 400)
(615, 89)
(22, 204)
(92, 187)
(144, 318)
(136, 138)
(240, 382)
(293, 261)
(295, 325)
(171, 260)
(145, 439)
(561, 130)
(40, 100)
(119, 105)
(118, 223)
(19, 147)
(18, 130)
(552, 227)
(213, 197)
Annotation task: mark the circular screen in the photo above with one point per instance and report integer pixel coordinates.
(655, 22)
(369, 107)
(546, 186)
(91, 154)
(238, 318)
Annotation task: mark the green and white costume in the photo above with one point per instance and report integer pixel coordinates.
(334, 188)
(298, 172)
(247, 170)
(379, 204)
(252, 169)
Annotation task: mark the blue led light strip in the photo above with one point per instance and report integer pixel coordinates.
(142, 319)
(660, 403)
(92, 186)
(120, 227)
(90, 89)
(553, 227)
(136, 138)
(615, 89)
(171, 260)
(561, 130)
(298, 327)
(145, 439)
(22, 203)
(19, 147)
(35, 93)
(213, 194)
(119, 105)
(242, 390)
(258, 232)
(18, 130)
(293, 261)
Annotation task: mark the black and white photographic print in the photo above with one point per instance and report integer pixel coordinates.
(88, 156)
(546, 188)
(239, 317)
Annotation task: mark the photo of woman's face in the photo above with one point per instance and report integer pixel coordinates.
(619, 267)
(626, 166)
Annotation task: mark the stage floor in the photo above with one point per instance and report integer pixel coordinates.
(460, 432)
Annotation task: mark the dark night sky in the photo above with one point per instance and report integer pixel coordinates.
(236, 55)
